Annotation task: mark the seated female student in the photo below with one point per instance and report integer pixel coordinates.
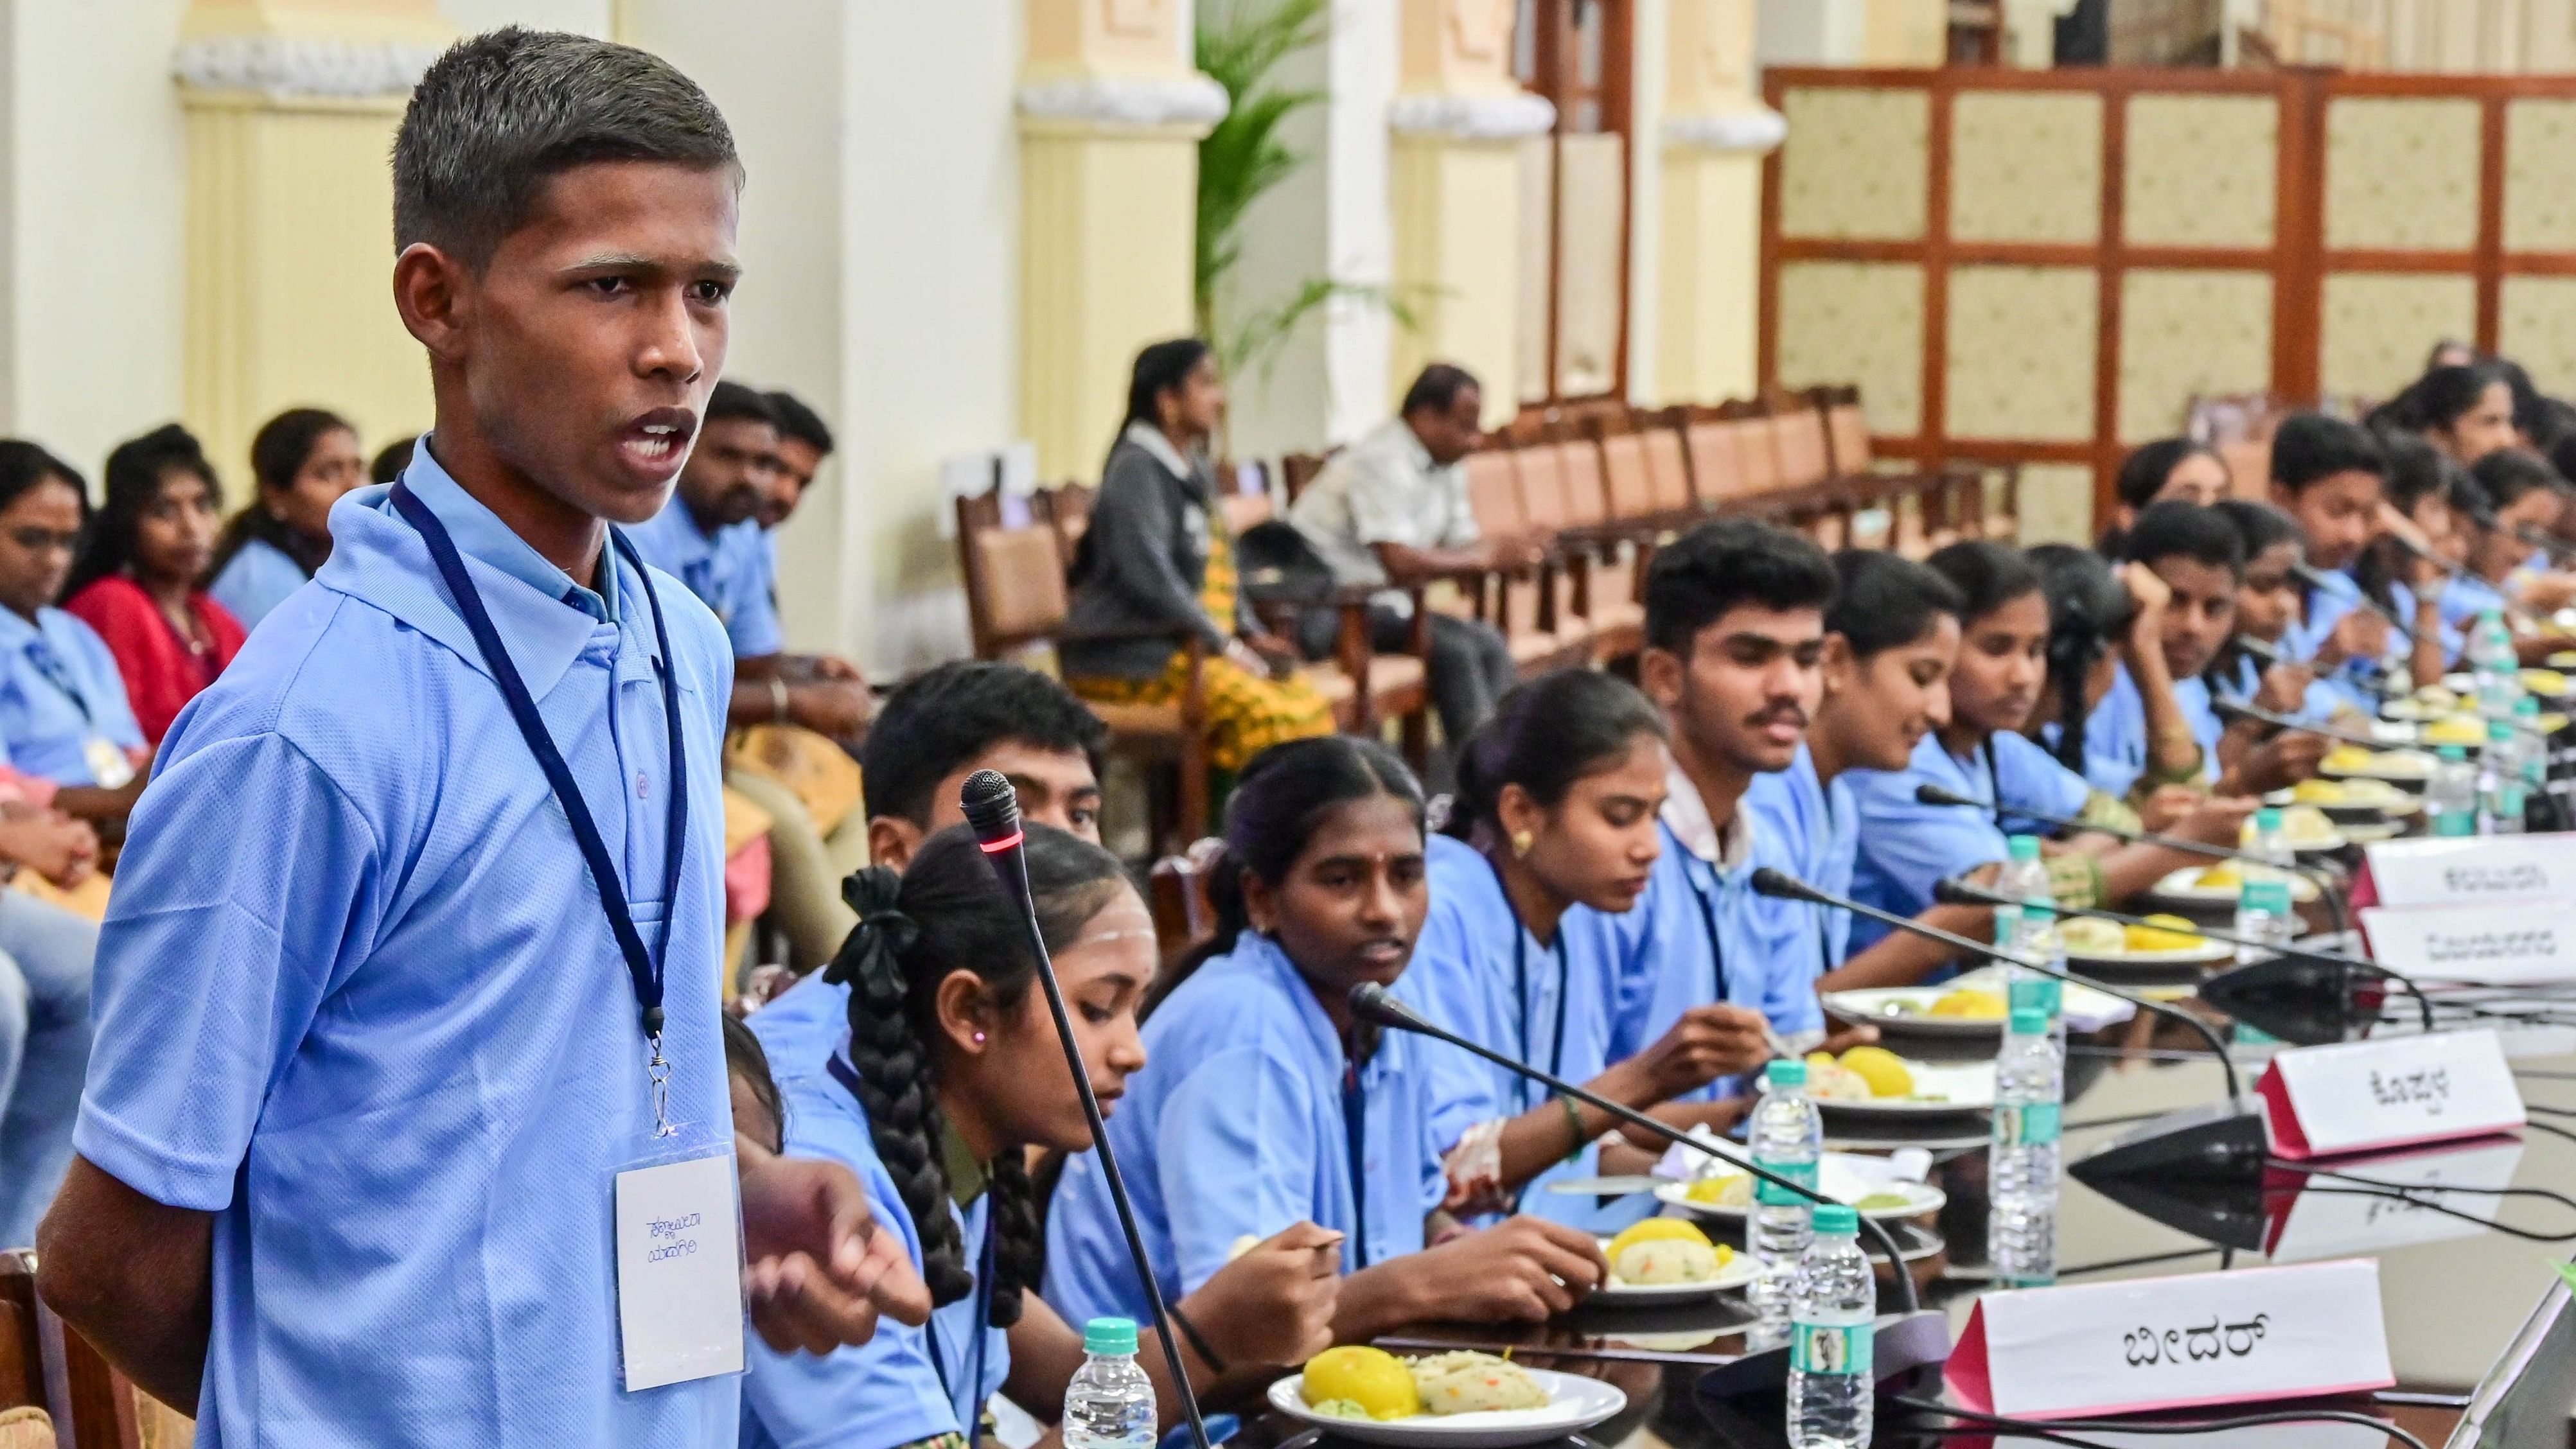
(2161, 471)
(1269, 1103)
(2098, 616)
(949, 1072)
(2516, 491)
(1933, 671)
(1156, 568)
(2267, 605)
(63, 712)
(303, 460)
(2466, 411)
(1551, 837)
(140, 579)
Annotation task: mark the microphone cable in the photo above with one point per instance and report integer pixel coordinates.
(2061, 1431)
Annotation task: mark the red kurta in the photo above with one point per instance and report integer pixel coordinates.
(161, 672)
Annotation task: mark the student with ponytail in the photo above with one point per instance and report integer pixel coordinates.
(1270, 1104)
(949, 1073)
(1551, 838)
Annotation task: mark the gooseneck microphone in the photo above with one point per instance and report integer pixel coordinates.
(1955, 892)
(1782, 886)
(993, 811)
(1374, 1003)
(2266, 651)
(2541, 538)
(2235, 709)
(2317, 578)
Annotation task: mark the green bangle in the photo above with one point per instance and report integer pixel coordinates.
(1573, 1119)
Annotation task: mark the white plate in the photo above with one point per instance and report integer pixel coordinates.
(2373, 834)
(1959, 1086)
(1738, 1271)
(2178, 886)
(1871, 1006)
(1573, 1405)
(2200, 955)
(2381, 768)
(1920, 1198)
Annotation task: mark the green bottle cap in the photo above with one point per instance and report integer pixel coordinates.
(2451, 752)
(2267, 820)
(2024, 847)
(1834, 1217)
(2029, 1020)
(2499, 731)
(1109, 1336)
(2527, 705)
(2043, 994)
(1785, 1072)
(2007, 924)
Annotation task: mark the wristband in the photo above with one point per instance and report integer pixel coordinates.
(1573, 1119)
(1197, 1340)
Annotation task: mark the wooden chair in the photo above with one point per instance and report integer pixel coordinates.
(1296, 470)
(1713, 448)
(1520, 603)
(46, 1364)
(1177, 893)
(1016, 599)
(1798, 440)
(1606, 587)
(1548, 511)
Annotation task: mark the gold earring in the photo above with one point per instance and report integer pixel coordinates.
(1522, 840)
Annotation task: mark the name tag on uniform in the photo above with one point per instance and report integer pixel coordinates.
(2388, 1092)
(679, 1270)
(108, 763)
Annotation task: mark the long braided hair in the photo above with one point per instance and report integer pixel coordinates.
(947, 913)
(2088, 610)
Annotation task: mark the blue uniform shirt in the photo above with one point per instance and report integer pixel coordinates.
(394, 1047)
(59, 690)
(2115, 733)
(1479, 972)
(1906, 846)
(729, 571)
(2464, 598)
(2354, 681)
(905, 1384)
(255, 580)
(1815, 825)
(1242, 1122)
(799, 1030)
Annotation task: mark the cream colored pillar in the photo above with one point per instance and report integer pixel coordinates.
(1455, 180)
(1110, 119)
(1714, 136)
(291, 109)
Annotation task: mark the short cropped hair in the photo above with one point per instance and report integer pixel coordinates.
(948, 716)
(1884, 600)
(801, 423)
(503, 113)
(1723, 565)
(2311, 447)
(1437, 389)
(2176, 529)
(731, 399)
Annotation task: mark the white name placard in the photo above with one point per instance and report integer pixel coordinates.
(2170, 1343)
(2338, 1222)
(2479, 868)
(2390, 1091)
(2512, 945)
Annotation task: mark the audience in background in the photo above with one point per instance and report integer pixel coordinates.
(64, 716)
(391, 459)
(47, 957)
(301, 462)
(2516, 491)
(2331, 477)
(140, 580)
(2402, 570)
(935, 731)
(1392, 511)
(2467, 411)
(1155, 571)
(2164, 470)
(804, 441)
(2267, 606)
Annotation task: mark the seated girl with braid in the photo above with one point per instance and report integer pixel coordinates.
(950, 1072)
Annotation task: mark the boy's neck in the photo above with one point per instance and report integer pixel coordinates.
(561, 534)
(1720, 784)
(1961, 740)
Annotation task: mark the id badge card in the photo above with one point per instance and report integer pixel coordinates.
(108, 763)
(679, 1266)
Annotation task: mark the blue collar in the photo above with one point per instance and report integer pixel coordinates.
(1266, 956)
(480, 534)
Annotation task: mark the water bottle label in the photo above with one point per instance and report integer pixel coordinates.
(2453, 824)
(2026, 1124)
(2272, 896)
(1831, 1348)
(1766, 1194)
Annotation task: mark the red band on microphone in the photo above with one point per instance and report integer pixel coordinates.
(996, 847)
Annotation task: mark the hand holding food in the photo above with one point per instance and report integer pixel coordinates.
(1522, 1268)
(1274, 1301)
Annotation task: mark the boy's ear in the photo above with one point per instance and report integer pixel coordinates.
(434, 293)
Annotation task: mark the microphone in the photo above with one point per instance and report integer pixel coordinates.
(2485, 521)
(2317, 578)
(2277, 1018)
(2246, 709)
(2268, 653)
(993, 811)
(2541, 538)
(1374, 1003)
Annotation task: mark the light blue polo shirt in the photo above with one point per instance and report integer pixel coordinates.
(801, 1028)
(2464, 598)
(1906, 846)
(357, 998)
(1816, 825)
(59, 687)
(728, 570)
(1241, 1124)
(905, 1384)
(255, 580)
(1479, 972)
(2355, 681)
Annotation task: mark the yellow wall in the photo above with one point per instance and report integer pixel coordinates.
(1457, 261)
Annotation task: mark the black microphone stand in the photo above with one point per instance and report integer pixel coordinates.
(2315, 578)
(992, 808)
(1782, 886)
(1372, 1002)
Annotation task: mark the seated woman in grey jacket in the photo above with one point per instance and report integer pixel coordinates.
(1156, 567)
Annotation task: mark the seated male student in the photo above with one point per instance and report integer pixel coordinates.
(2332, 477)
(804, 442)
(932, 733)
(709, 535)
(2200, 557)
(1392, 510)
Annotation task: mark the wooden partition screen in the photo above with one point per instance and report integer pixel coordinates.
(2044, 267)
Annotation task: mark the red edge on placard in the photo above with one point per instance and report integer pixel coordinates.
(1965, 1374)
(2280, 1118)
(2290, 1140)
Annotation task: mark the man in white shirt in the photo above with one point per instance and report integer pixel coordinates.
(1391, 511)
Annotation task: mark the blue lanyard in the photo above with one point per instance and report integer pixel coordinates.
(645, 969)
(1520, 990)
(1707, 912)
(968, 1412)
(57, 674)
(1355, 1129)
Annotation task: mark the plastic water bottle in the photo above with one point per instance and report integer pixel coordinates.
(2264, 920)
(2023, 876)
(1110, 1403)
(2451, 796)
(1833, 1317)
(2045, 995)
(2500, 778)
(2493, 667)
(1788, 1136)
(2021, 1168)
(2267, 844)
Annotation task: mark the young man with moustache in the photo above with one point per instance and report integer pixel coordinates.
(393, 1099)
